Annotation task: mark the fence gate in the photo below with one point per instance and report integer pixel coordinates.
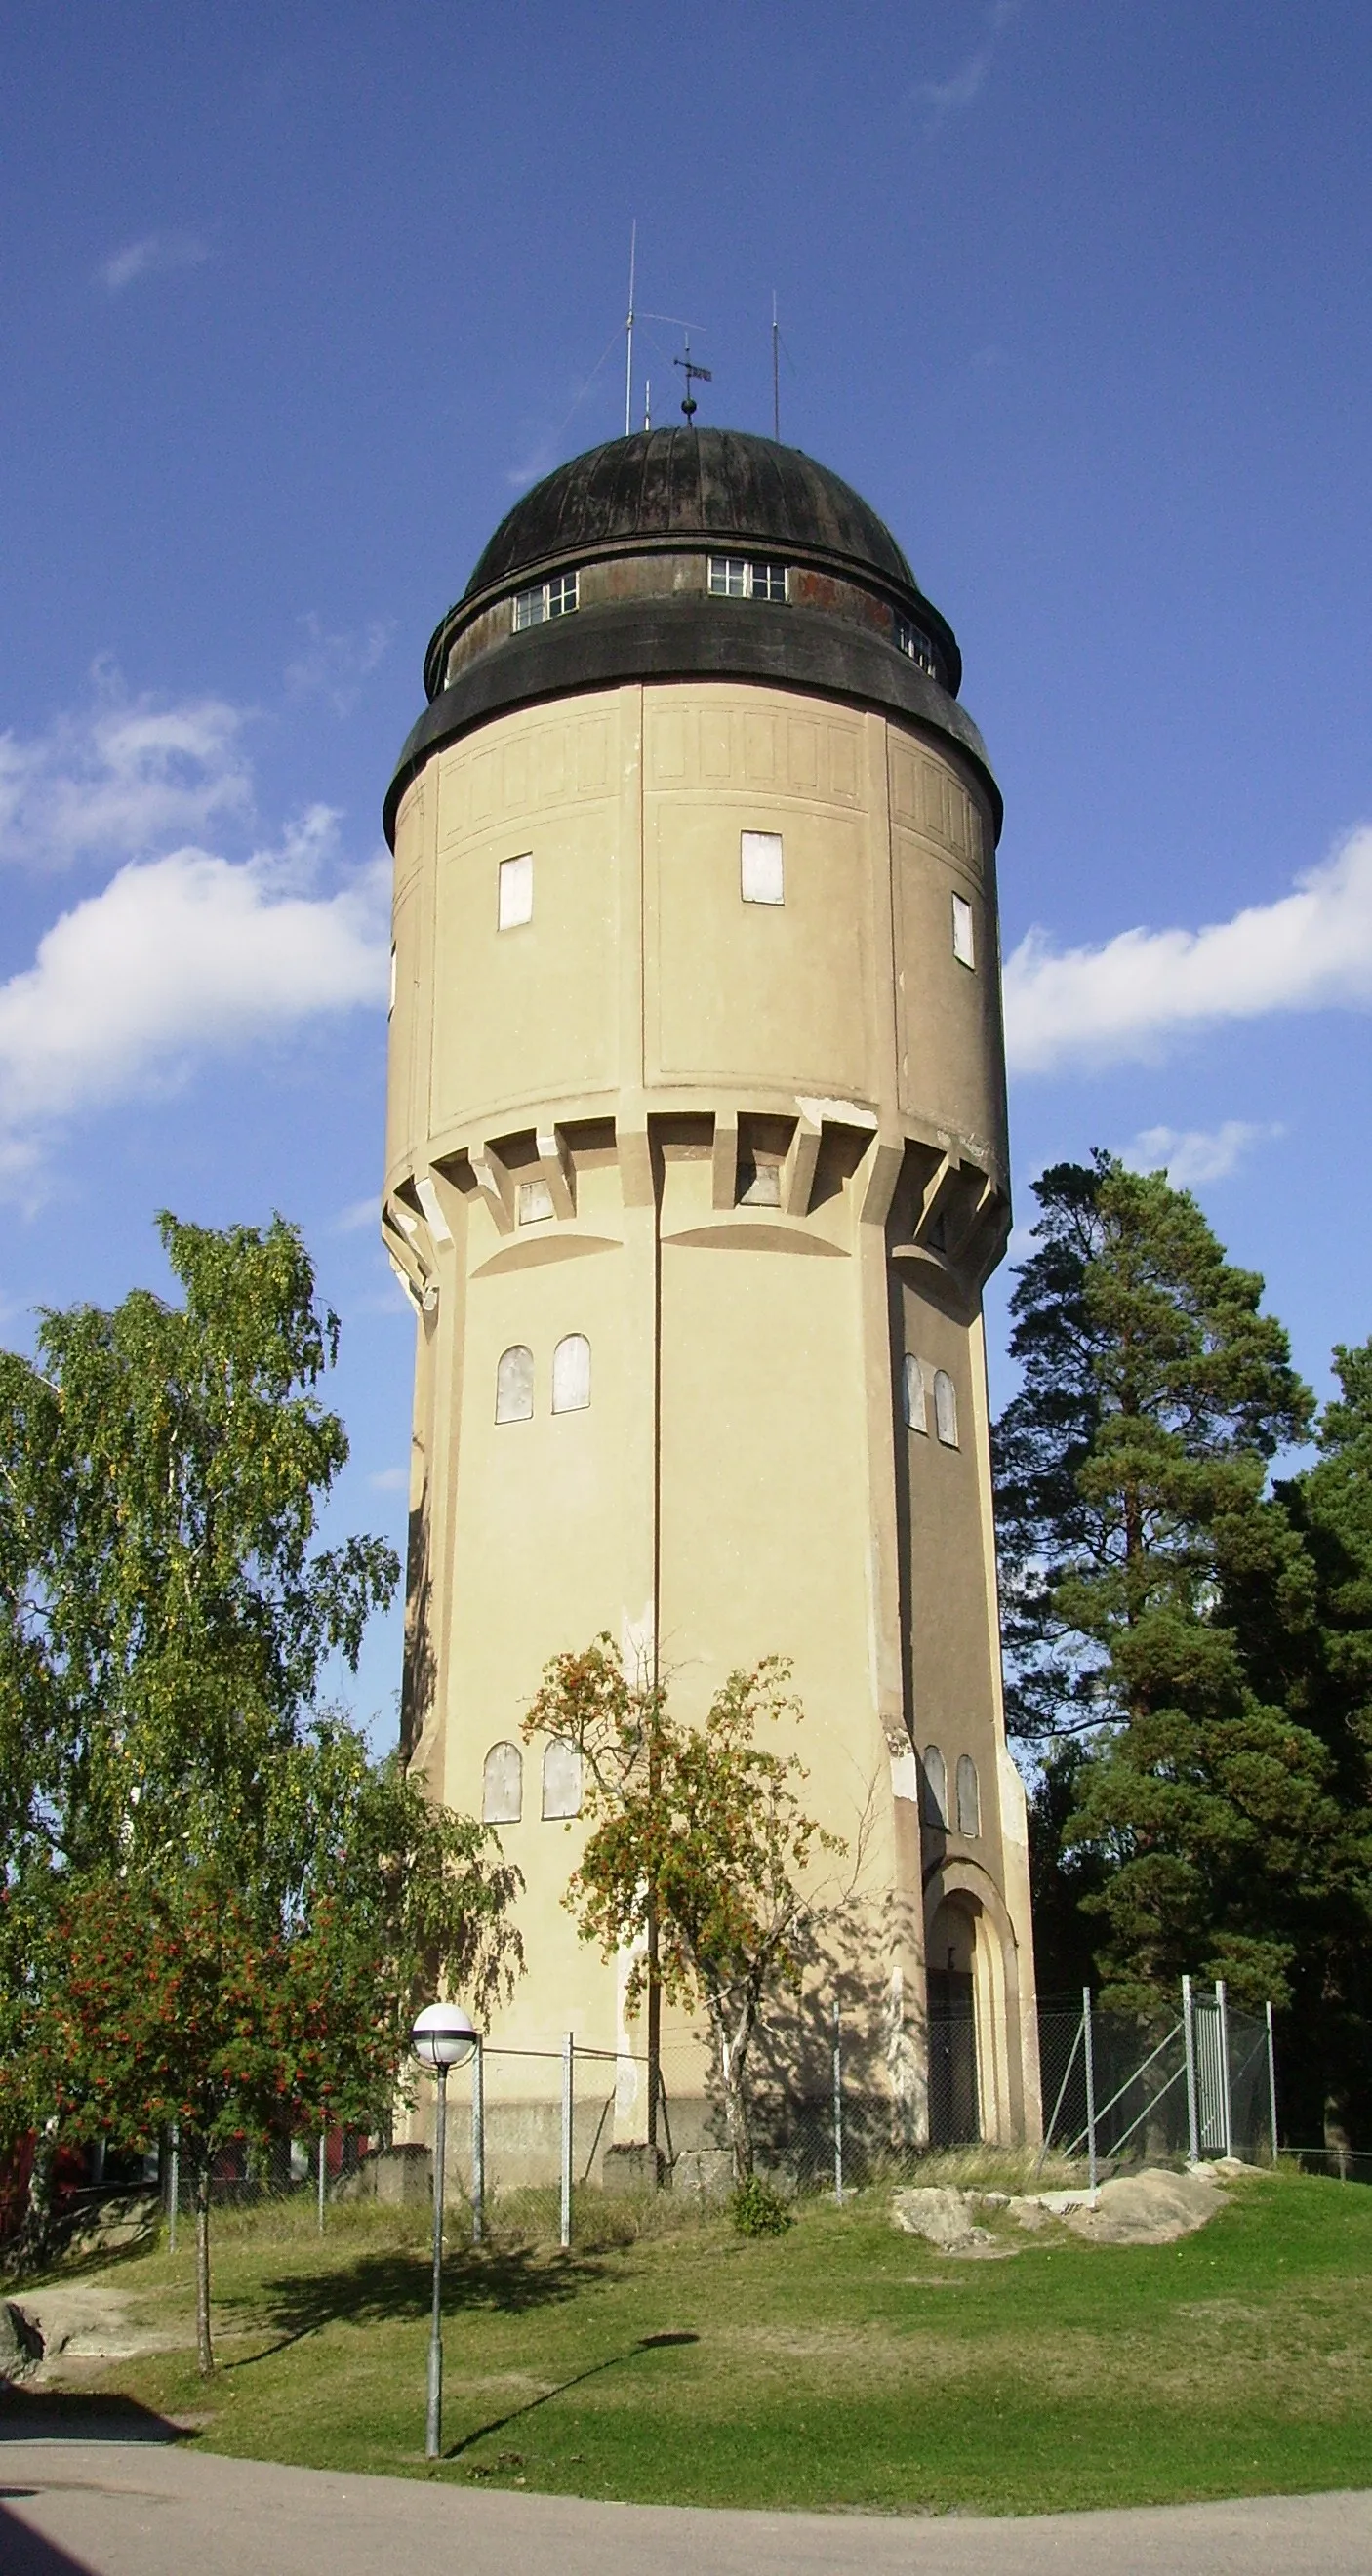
(1212, 2091)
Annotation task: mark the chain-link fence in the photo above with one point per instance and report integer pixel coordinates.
(821, 2110)
(1203, 2084)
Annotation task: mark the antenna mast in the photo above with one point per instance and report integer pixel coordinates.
(629, 328)
(776, 371)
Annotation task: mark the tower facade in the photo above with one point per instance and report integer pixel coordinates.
(696, 1165)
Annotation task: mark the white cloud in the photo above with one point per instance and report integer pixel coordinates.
(177, 957)
(1145, 989)
(362, 1213)
(151, 256)
(389, 1480)
(333, 666)
(1192, 1155)
(122, 777)
(943, 98)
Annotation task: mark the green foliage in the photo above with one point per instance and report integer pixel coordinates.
(757, 2210)
(1161, 1603)
(254, 1904)
(696, 1833)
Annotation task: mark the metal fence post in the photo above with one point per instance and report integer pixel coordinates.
(175, 2184)
(1272, 2079)
(478, 2146)
(838, 2106)
(1188, 2023)
(1222, 2009)
(1089, 2053)
(568, 2064)
(323, 2173)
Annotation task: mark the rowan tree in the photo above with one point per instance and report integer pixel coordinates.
(698, 1832)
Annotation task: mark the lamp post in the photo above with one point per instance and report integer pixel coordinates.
(443, 2036)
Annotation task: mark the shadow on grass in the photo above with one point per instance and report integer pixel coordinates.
(515, 2415)
(394, 2287)
(78, 2415)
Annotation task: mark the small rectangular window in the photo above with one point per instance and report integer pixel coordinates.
(547, 599)
(964, 946)
(734, 577)
(761, 867)
(533, 1201)
(912, 639)
(516, 898)
(915, 1405)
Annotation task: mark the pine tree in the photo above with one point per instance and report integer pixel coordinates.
(1135, 1515)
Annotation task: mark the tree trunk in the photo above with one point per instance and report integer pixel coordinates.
(203, 2349)
(737, 2122)
(34, 2242)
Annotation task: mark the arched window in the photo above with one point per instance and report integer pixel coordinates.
(572, 1374)
(514, 1384)
(969, 1797)
(936, 1785)
(561, 1780)
(502, 1785)
(945, 1409)
(916, 1416)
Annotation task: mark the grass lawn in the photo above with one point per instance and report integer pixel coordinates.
(842, 2365)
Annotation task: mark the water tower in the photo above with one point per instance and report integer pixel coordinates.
(696, 1165)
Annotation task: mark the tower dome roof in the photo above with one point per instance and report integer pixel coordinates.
(669, 484)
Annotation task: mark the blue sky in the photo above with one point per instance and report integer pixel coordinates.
(297, 299)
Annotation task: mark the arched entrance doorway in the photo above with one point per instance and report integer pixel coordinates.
(954, 2103)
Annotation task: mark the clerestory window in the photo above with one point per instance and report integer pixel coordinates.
(738, 577)
(911, 639)
(554, 598)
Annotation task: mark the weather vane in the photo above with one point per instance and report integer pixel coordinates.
(693, 374)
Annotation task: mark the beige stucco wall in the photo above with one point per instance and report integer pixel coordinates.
(742, 1482)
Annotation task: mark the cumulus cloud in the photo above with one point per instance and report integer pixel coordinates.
(333, 666)
(1192, 1155)
(176, 957)
(121, 777)
(153, 255)
(1139, 993)
(943, 98)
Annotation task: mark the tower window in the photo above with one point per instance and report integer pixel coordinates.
(936, 1784)
(572, 1374)
(964, 944)
(561, 1780)
(514, 1384)
(502, 1785)
(555, 598)
(760, 866)
(533, 1201)
(391, 1004)
(969, 1798)
(913, 1391)
(735, 577)
(945, 1409)
(912, 639)
(515, 897)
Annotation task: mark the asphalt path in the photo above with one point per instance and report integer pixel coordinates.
(87, 2507)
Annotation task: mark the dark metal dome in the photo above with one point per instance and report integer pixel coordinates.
(683, 483)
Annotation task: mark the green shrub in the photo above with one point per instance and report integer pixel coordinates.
(757, 2210)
